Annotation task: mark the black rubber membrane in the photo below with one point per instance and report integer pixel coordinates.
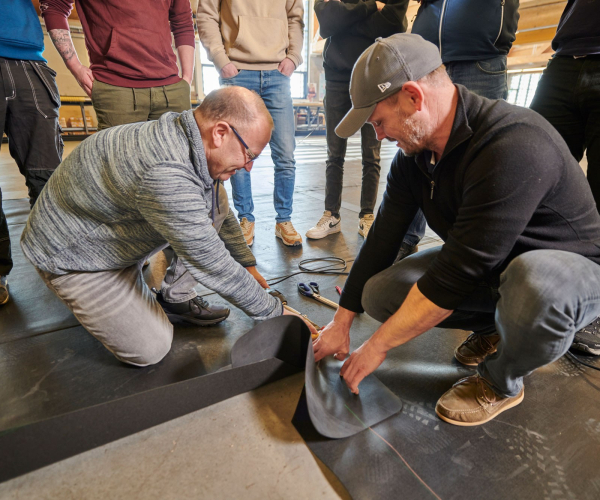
(272, 350)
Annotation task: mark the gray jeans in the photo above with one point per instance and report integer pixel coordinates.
(545, 296)
(118, 308)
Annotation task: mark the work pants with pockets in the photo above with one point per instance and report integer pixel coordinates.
(486, 78)
(337, 103)
(29, 103)
(544, 297)
(119, 309)
(568, 96)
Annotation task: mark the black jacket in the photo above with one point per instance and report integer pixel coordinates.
(468, 30)
(351, 26)
(506, 184)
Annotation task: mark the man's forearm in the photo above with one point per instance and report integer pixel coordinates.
(416, 315)
(64, 45)
(186, 59)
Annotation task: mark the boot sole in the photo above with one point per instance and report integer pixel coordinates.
(334, 230)
(508, 406)
(176, 318)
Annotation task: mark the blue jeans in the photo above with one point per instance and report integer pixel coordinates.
(486, 78)
(274, 88)
(544, 298)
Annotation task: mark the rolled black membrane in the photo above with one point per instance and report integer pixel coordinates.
(271, 351)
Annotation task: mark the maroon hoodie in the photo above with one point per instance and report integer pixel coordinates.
(128, 41)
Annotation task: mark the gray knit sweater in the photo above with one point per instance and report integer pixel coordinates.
(128, 190)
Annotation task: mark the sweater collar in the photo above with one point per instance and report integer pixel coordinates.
(197, 153)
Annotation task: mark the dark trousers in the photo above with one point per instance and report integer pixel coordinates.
(568, 96)
(337, 103)
(29, 103)
(544, 297)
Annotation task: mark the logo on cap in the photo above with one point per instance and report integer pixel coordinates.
(384, 86)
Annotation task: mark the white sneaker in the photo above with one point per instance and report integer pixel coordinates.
(247, 230)
(365, 223)
(328, 224)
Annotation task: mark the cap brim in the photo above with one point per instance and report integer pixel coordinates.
(353, 121)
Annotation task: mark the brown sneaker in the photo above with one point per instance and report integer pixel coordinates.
(472, 401)
(285, 232)
(476, 348)
(247, 230)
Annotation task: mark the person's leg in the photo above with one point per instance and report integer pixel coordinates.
(385, 292)
(31, 124)
(177, 295)
(175, 97)
(117, 308)
(590, 106)
(336, 104)
(277, 95)
(7, 90)
(371, 169)
(487, 78)
(119, 105)
(545, 297)
(241, 186)
(556, 100)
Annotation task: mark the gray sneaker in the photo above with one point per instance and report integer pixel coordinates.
(586, 340)
(3, 290)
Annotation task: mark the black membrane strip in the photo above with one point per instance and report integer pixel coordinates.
(271, 351)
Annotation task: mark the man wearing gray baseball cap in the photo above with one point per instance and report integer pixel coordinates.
(520, 262)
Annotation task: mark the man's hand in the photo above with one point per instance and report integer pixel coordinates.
(257, 276)
(380, 5)
(84, 78)
(335, 337)
(229, 71)
(286, 67)
(362, 362)
(313, 330)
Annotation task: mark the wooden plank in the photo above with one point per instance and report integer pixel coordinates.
(535, 36)
(540, 16)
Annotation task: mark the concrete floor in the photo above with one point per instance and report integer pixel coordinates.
(242, 447)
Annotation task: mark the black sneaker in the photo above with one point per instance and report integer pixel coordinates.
(588, 338)
(405, 251)
(196, 311)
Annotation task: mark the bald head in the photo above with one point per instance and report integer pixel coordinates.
(238, 106)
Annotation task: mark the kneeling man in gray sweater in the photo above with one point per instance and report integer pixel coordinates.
(130, 191)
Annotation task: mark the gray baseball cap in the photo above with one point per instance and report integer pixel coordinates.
(381, 70)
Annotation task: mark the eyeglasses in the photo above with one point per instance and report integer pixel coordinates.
(250, 154)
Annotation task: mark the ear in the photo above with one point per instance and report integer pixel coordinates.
(219, 132)
(415, 95)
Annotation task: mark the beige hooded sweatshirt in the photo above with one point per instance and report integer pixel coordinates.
(251, 34)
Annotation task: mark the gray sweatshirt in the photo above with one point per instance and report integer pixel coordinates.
(128, 190)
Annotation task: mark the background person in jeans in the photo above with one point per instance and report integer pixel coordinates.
(133, 74)
(497, 183)
(350, 27)
(257, 44)
(29, 103)
(474, 38)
